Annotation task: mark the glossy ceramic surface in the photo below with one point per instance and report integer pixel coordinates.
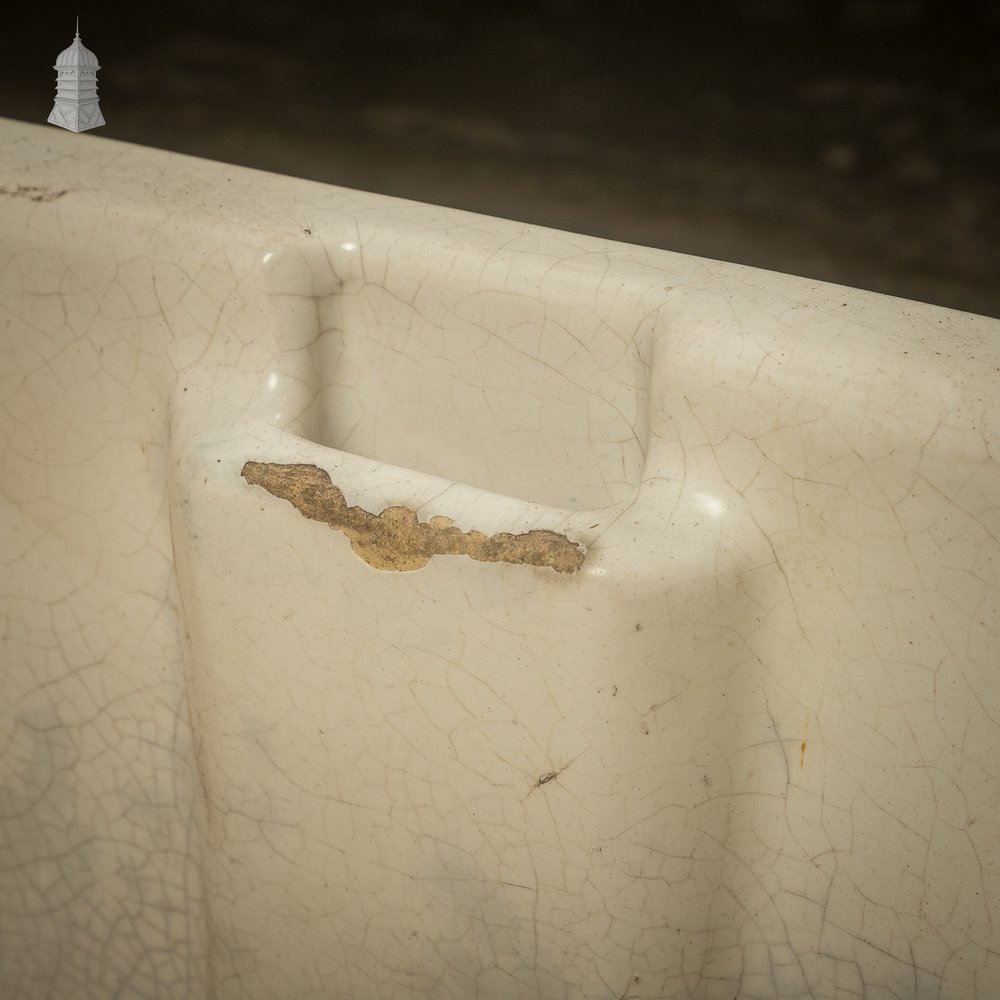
(404, 603)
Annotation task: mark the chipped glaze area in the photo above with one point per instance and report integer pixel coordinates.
(748, 749)
(396, 539)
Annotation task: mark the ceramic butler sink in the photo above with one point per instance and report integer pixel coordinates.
(404, 603)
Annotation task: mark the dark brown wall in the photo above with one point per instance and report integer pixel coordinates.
(856, 142)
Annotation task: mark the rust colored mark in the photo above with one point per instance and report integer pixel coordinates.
(396, 539)
(803, 744)
(34, 193)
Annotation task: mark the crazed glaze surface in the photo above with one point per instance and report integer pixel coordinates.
(748, 748)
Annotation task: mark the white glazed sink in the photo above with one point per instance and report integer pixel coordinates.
(400, 603)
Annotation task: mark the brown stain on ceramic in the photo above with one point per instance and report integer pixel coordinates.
(32, 192)
(396, 539)
(804, 743)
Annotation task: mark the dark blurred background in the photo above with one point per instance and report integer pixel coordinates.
(854, 141)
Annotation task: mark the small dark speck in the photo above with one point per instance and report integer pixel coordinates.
(638, 626)
(546, 778)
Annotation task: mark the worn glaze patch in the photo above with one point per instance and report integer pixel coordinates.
(397, 539)
(32, 192)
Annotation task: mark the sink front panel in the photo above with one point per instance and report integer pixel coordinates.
(432, 606)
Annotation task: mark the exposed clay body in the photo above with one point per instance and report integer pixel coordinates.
(396, 539)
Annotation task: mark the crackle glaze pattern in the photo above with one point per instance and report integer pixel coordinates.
(748, 747)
